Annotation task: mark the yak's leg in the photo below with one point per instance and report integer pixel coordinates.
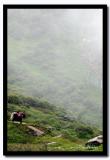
(20, 120)
(13, 119)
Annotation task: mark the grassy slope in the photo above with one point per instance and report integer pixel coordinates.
(40, 65)
(50, 75)
(19, 137)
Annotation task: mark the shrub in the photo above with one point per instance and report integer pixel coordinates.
(84, 132)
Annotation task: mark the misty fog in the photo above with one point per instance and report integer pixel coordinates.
(56, 55)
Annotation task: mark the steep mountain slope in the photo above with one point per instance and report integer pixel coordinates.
(61, 133)
(58, 60)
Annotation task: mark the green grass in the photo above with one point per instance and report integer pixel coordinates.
(74, 133)
(20, 140)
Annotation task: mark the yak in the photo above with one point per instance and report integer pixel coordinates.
(17, 116)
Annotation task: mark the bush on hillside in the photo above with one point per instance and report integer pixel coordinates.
(84, 132)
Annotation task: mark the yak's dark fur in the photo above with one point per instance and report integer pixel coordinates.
(17, 116)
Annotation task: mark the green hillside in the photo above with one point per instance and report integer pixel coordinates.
(57, 60)
(53, 122)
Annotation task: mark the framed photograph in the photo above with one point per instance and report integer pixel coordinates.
(55, 80)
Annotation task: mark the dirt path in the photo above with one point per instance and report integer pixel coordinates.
(18, 122)
(33, 130)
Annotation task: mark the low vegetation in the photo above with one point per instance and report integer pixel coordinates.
(66, 133)
(55, 77)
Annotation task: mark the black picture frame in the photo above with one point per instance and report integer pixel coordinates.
(105, 81)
